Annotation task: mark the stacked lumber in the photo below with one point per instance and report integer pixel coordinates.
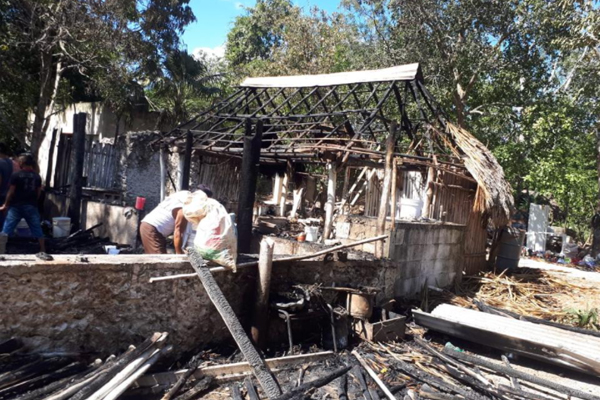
(26, 376)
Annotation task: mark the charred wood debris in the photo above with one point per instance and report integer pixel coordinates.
(439, 363)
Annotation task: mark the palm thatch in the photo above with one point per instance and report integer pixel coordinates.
(494, 196)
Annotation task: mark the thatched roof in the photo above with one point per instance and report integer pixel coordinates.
(494, 194)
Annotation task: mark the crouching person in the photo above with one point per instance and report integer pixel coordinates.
(22, 198)
(167, 219)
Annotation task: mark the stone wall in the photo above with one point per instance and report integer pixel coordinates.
(425, 253)
(107, 303)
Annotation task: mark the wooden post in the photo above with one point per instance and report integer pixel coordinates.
(277, 184)
(260, 369)
(284, 192)
(345, 188)
(163, 173)
(51, 158)
(385, 189)
(260, 325)
(393, 194)
(187, 161)
(427, 212)
(297, 203)
(76, 178)
(249, 174)
(330, 205)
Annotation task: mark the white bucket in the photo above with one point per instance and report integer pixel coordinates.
(410, 208)
(61, 227)
(312, 233)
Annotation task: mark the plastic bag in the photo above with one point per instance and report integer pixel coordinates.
(215, 236)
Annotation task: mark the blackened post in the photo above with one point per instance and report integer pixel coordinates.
(187, 162)
(76, 178)
(250, 164)
(51, 158)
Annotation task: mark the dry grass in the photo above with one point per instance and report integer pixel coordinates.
(531, 293)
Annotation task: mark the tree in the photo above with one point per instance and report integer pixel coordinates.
(183, 87)
(254, 34)
(88, 36)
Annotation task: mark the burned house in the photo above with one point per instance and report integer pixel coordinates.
(357, 156)
(370, 151)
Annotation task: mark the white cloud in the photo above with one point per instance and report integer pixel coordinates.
(210, 52)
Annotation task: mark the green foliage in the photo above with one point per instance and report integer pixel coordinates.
(184, 87)
(584, 318)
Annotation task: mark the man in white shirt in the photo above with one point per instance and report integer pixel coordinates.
(165, 220)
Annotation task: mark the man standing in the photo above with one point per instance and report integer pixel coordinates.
(22, 198)
(6, 170)
(165, 220)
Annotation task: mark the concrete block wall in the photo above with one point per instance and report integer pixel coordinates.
(426, 254)
(423, 253)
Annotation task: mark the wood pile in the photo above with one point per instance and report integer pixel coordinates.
(27, 376)
(424, 371)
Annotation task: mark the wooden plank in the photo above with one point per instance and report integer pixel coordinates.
(553, 345)
(514, 373)
(235, 371)
(287, 259)
(261, 371)
(374, 376)
(50, 167)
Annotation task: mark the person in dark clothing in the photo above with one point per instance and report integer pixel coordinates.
(21, 200)
(6, 170)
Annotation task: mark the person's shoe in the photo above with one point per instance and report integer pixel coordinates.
(44, 256)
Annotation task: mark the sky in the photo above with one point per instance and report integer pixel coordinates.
(214, 19)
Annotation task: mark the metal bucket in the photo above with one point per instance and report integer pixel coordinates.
(360, 305)
(509, 252)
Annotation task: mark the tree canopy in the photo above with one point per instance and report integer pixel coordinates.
(522, 75)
